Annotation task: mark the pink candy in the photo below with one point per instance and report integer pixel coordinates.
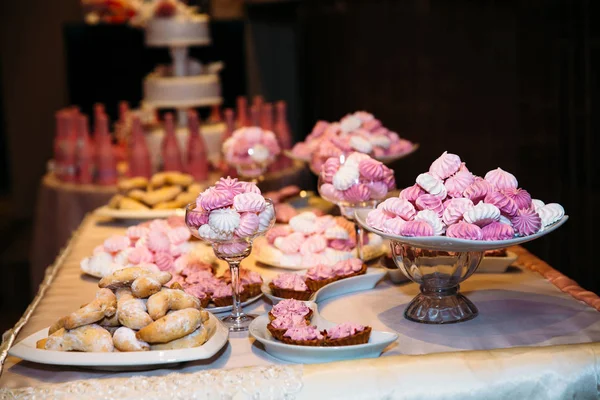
(416, 229)
(464, 230)
(116, 243)
(158, 241)
(430, 202)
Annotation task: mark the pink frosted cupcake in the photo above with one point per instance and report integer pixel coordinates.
(290, 306)
(347, 334)
(319, 276)
(279, 326)
(290, 286)
(223, 296)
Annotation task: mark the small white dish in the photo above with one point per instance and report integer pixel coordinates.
(445, 243)
(115, 361)
(496, 265)
(378, 341)
(108, 212)
(338, 288)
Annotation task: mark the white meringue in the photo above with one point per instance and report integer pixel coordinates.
(290, 260)
(207, 233)
(304, 223)
(122, 257)
(537, 204)
(336, 232)
(265, 218)
(482, 214)
(224, 220)
(334, 255)
(550, 213)
(100, 264)
(381, 141)
(432, 185)
(345, 177)
(350, 123)
(501, 179)
(360, 144)
(505, 220)
(432, 219)
(259, 153)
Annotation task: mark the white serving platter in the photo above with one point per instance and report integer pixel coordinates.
(378, 341)
(444, 243)
(26, 350)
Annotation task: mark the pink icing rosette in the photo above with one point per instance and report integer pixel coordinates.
(501, 179)
(446, 165)
(478, 190)
(163, 260)
(158, 241)
(505, 204)
(412, 193)
(140, 255)
(376, 218)
(250, 187)
(213, 198)
(464, 230)
(394, 226)
(398, 207)
(329, 168)
(521, 197)
(430, 202)
(357, 193)
(248, 225)
(416, 229)
(320, 272)
(116, 243)
(526, 222)
(249, 202)
(459, 182)
(372, 169)
(455, 209)
(231, 185)
(497, 231)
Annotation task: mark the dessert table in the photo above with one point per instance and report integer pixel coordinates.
(532, 339)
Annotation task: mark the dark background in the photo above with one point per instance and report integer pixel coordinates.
(501, 83)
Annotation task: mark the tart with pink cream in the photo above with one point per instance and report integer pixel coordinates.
(222, 295)
(347, 334)
(290, 306)
(304, 336)
(251, 281)
(290, 286)
(279, 326)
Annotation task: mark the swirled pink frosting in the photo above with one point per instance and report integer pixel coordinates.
(371, 169)
(288, 321)
(454, 210)
(464, 230)
(412, 193)
(213, 198)
(345, 329)
(497, 231)
(477, 190)
(430, 202)
(526, 222)
(501, 179)
(158, 241)
(446, 165)
(320, 272)
(248, 225)
(521, 197)
(116, 243)
(459, 182)
(304, 333)
(231, 185)
(416, 229)
(249, 202)
(290, 281)
(505, 204)
(140, 255)
(347, 267)
(197, 218)
(290, 306)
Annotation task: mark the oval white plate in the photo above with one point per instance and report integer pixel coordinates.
(338, 288)
(108, 212)
(444, 243)
(378, 341)
(26, 350)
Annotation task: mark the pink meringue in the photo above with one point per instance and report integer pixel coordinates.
(372, 169)
(342, 244)
(213, 198)
(412, 193)
(290, 244)
(477, 190)
(278, 231)
(378, 190)
(197, 218)
(179, 235)
(140, 255)
(497, 231)
(501, 179)
(398, 207)
(459, 182)
(526, 222)
(330, 193)
(329, 168)
(432, 185)
(230, 184)
(455, 209)
(430, 202)
(521, 197)
(357, 193)
(250, 187)
(482, 214)
(390, 181)
(416, 229)
(505, 204)
(249, 202)
(116, 243)
(235, 248)
(376, 218)
(446, 165)
(313, 244)
(394, 226)
(464, 230)
(136, 232)
(163, 260)
(248, 225)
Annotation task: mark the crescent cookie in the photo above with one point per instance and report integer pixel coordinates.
(138, 195)
(131, 204)
(170, 299)
(158, 180)
(133, 183)
(161, 195)
(170, 327)
(131, 311)
(169, 205)
(145, 286)
(88, 338)
(115, 201)
(194, 339)
(124, 340)
(126, 276)
(105, 305)
(179, 179)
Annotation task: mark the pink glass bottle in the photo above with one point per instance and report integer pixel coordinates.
(69, 148)
(121, 132)
(138, 159)
(282, 131)
(254, 116)
(85, 152)
(266, 117)
(197, 162)
(105, 158)
(258, 101)
(215, 115)
(242, 112)
(171, 155)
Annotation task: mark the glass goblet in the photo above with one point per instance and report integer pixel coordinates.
(232, 250)
(439, 274)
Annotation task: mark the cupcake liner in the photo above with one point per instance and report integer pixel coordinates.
(357, 338)
(316, 285)
(307, 317)
(289, 293)
(277, 333)
(313, 342)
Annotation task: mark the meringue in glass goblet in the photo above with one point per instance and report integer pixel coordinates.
(229, 218)
(355, 182)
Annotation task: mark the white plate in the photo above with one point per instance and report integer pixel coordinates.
(26, 350)
(108, 212)
(445, 243)
(496, 265)
(218, 310)
(338, 288)
(308, 354)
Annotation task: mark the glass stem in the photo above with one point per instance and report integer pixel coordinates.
(359, 240)
(234, 268)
